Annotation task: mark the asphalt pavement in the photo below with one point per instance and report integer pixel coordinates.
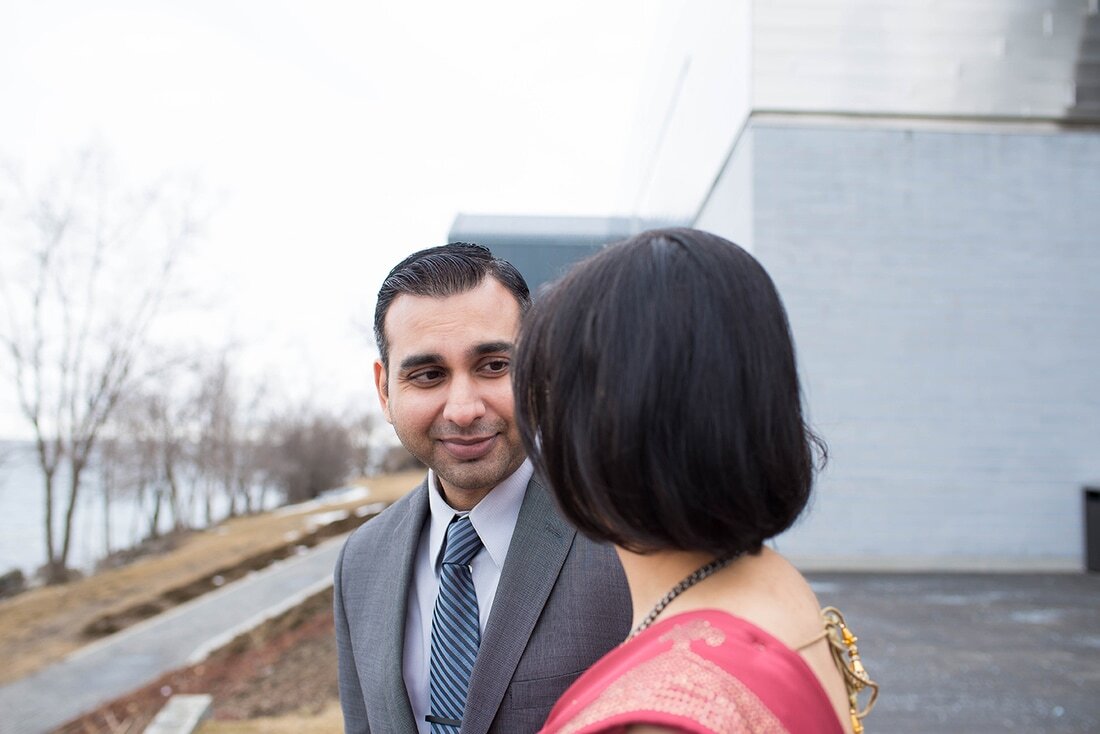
(975, 653)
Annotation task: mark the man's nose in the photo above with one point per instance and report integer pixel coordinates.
(464, 403)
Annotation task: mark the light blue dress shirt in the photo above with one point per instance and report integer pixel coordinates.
(494, 519)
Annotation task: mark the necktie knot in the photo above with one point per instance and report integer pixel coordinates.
(462, 542)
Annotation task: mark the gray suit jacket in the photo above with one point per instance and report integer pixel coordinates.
(562, 602)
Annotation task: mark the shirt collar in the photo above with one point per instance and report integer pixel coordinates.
(494, 518)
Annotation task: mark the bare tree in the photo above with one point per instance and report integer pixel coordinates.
(96, 265)
(361, 429)
(230, 453)
(5, 455)
(312, 452)
(145, 452)
(155, 429)
(219, 406)
(112, 454)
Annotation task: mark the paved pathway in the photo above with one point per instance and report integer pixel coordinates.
(131, 658)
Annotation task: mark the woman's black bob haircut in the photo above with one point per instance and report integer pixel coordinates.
(656, 390)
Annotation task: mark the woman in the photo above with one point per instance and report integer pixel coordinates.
(656, 389)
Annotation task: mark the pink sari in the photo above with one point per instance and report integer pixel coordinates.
(698, 672)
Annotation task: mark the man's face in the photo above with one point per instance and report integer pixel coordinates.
(448, 390)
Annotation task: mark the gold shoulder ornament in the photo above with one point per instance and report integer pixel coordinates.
(842, 645)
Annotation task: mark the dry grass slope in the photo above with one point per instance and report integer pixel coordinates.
(42, 626)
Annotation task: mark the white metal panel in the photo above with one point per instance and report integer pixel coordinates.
(999, 58)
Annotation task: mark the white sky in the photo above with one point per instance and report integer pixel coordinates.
(336, 137)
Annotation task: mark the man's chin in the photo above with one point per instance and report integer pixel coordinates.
(473, 476)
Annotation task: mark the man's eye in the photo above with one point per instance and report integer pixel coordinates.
(425, 377)
(496, 366)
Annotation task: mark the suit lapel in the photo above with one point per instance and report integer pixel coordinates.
(390, 628)
(539, 546)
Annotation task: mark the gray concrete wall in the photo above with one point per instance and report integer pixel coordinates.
(943, 284)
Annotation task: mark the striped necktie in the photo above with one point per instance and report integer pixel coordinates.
(455, 632)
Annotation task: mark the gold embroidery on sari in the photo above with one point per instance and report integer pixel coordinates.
(681, 682)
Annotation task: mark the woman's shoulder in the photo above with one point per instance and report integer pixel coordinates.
(768, 591)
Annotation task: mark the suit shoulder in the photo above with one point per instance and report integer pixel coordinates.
(598, 558)
(381, 528)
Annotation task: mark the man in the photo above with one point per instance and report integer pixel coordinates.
(469, 605)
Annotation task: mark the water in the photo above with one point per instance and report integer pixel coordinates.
(23, 512)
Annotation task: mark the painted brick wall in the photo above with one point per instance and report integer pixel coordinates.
(944, 291)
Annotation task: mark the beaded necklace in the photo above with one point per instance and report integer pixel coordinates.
(686, 583)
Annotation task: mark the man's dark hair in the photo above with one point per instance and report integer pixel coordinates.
(656, 389)
(444, 271)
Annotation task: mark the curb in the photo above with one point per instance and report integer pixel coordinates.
(181, 714)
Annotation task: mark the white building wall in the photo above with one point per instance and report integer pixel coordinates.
(979, 58)
(911, 177)
(944, 291)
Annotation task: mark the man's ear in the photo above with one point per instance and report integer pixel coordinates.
(382, 386)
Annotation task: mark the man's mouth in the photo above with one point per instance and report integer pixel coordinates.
(469, 449)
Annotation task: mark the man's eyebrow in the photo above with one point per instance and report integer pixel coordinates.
(419, 360)
(492, 348)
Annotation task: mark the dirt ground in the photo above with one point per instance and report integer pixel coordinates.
(285, 669)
